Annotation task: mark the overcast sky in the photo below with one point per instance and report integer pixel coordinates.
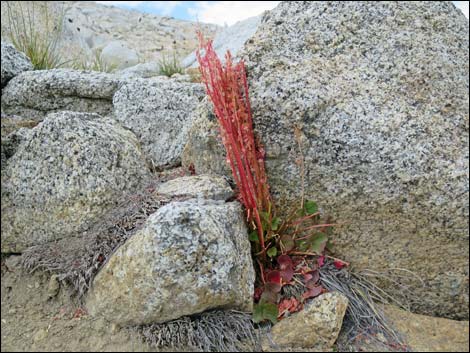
(219, 12)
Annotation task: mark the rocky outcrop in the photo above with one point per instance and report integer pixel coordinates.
(231, 38)
(87, 27)
(188, 257)
(64, 175)
(13, 62)
(197, 186)
(316, 326)
(374, 97)
(159, 112)
(33, 94)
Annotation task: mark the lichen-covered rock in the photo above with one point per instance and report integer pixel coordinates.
(143, 70)
(116, 55)
(159, 113)
(13, 63)
(316, 326)
(64, 175)
(374, 96)
(33, 94)
(188, 257)
(197, 186)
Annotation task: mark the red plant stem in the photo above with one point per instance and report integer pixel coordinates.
(303, 219)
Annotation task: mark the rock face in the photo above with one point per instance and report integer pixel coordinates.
(13, 62)
(198, 186)
(189, 256)
(34, 94)
(429, 334)
(144, 70)
(159, 113)
(231, 38)
(375, 98)
(118, 56)
(64, 175)
(316, 326)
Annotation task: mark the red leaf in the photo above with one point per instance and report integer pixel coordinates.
(257, 293)
(313, 292)
(339, 264)
(287, 274)
(274, 277)
(284, 262)
(289, 305)
(321, 261)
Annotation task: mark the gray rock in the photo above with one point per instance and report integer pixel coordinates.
(198, 186)
(64, 175)
(13, 62)
(376, 97)
(231, 38)
(34, 94)
(159, 113)
(316, 326)
(189, 257)
(204, 150)
(144, 70)
(117, 55)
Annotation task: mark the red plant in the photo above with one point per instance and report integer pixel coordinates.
(228, 90)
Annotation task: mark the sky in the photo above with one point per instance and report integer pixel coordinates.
(218, 12)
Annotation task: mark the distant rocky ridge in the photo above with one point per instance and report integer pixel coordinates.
(89, 27)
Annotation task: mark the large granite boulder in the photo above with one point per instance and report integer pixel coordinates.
(189, 257)
(158, 111)
(13, 62)
(34, 94)
(374, 96)
(64, 175)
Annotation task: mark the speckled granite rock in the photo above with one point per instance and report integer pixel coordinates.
(189, 256)
(197, 186)
(204, 150)
(33, 94)
(144, 70)
(378, 94)
(316, 326)
(159, 113)
(64, 175)
(13, 62)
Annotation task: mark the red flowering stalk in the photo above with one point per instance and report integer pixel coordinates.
(228, 90)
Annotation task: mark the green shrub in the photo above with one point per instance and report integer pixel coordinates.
(34, 28)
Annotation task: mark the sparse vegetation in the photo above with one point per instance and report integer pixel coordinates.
(169, 65)
(96, 64)
(35, 29)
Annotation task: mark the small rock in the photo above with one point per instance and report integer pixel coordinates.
(118, 56)
(316, 326)
(204, 186)
(13, 62)
(53, 287)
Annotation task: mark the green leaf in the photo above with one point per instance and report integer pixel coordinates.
(253, 236)
(272, 252)
(275, 223)
(265, 311)
(318, 243)
(310, 207)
